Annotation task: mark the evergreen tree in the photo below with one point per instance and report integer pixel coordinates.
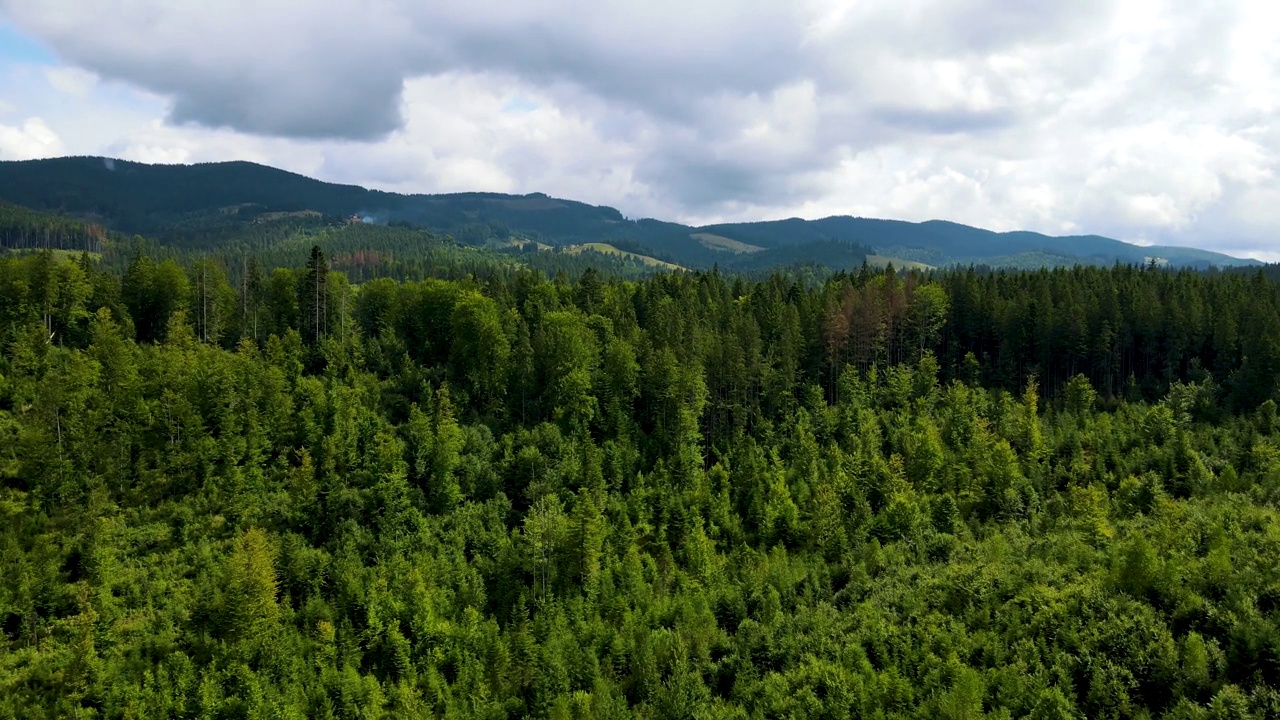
(313, 298)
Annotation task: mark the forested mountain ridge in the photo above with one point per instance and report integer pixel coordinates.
(881, 495)
(179, 204)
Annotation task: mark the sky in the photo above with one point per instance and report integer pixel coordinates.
(1148, 121)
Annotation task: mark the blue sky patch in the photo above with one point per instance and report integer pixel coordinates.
(519, 104)
(18, 47)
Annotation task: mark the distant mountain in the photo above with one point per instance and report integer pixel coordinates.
(193, 205)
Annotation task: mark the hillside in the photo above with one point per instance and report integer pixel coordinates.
(200, 206)
(304, 493)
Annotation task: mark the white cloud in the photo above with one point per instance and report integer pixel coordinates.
(71, 80)
(31, 140)
(1142, 119)
(155, 154)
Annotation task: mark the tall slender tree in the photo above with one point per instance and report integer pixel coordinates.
(313, 298)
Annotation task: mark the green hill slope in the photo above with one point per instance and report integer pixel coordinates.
(202, 205)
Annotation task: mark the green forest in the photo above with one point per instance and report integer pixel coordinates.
(279, 486)
(205, 205)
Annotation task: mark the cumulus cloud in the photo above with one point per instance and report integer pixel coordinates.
(1144, 119)
(31, 140)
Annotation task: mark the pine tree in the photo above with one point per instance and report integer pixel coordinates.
(313, 298)
(251, 586)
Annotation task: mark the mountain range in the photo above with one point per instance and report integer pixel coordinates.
(178, 204)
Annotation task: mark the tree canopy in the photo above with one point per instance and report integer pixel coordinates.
(260, 490)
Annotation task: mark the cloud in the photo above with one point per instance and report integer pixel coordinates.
(71, 80)
(31, 140)
(1143, 119)
(336, 70)
(466, 132)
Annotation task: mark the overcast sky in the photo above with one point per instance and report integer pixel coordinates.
(1149, 121)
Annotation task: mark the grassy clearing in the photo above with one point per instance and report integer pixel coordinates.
(719, 242)
(607, 249)
(884, 260)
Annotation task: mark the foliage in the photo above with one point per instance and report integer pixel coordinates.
(271, 492)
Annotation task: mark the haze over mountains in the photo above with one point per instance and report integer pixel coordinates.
(154, 200)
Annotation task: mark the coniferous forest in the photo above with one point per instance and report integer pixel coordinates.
(261, 490)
